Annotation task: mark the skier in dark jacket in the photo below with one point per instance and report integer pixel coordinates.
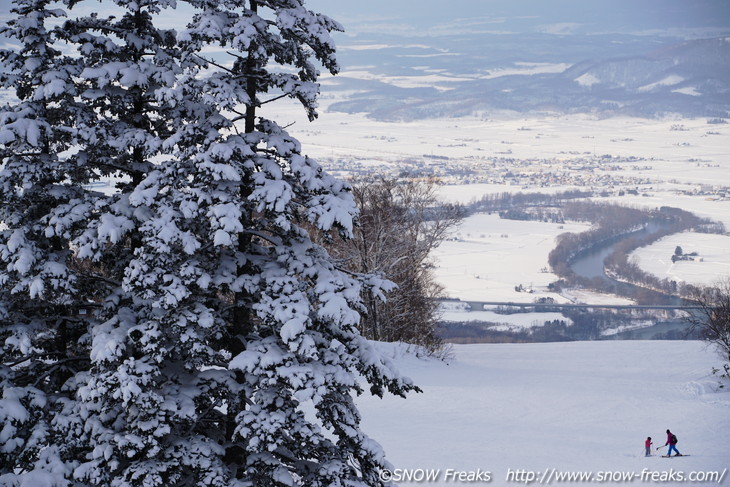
(672, 442)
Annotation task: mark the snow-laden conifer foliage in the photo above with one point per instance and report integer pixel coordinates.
(181, 328)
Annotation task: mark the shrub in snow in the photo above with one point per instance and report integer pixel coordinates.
(182, 328)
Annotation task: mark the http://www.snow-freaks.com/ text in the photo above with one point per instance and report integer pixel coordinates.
(549, 476)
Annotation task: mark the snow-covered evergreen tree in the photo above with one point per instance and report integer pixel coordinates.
(180, 328)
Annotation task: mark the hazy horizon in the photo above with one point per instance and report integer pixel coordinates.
(701, 18)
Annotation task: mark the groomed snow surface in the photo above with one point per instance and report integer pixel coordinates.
(572, 407)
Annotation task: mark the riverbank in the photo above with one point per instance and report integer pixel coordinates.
(590, 267)
(512, 241)
(578, 273)
(598, 259)
(467, 323)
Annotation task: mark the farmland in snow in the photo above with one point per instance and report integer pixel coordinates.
(712, 262)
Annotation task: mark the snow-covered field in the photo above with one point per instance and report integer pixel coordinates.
(572, 407)
(675, 157)
(683, 156)
(511, 322)
(488, 257)
(710, 265)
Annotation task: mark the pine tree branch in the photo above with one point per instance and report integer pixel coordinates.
(229, 70)
(201, 417)
(23, 359)
(208, 61)
(57, 365)
(263, 236)
(271, 100)
(242, 116)
(95, 277)
(119, 168)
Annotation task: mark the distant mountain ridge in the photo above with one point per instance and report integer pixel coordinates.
(689, 78)
(702, 65)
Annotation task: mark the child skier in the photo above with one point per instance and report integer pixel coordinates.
(648, 444)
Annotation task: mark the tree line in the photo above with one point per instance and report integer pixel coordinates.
(185, 327)
(611, 224)
(510, 201)
(577, 325)
(621, 266)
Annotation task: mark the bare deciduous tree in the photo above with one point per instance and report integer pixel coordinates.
(401, 222)
(713, 320)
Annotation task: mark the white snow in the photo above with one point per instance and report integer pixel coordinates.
(468, 193)
(513, 321)
(113, 227)
(223, 238)
(444, 81)
(710, 265)
(587, 79)
(688, 90)
(670, 80)
(526, 69)
(573, 407)
(577, 295)
(713, 208)
(489, 256)
(676, 169)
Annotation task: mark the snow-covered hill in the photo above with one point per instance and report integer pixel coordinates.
(572, 407)
(679, 77)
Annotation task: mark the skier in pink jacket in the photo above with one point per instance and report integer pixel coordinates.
(672, 442)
